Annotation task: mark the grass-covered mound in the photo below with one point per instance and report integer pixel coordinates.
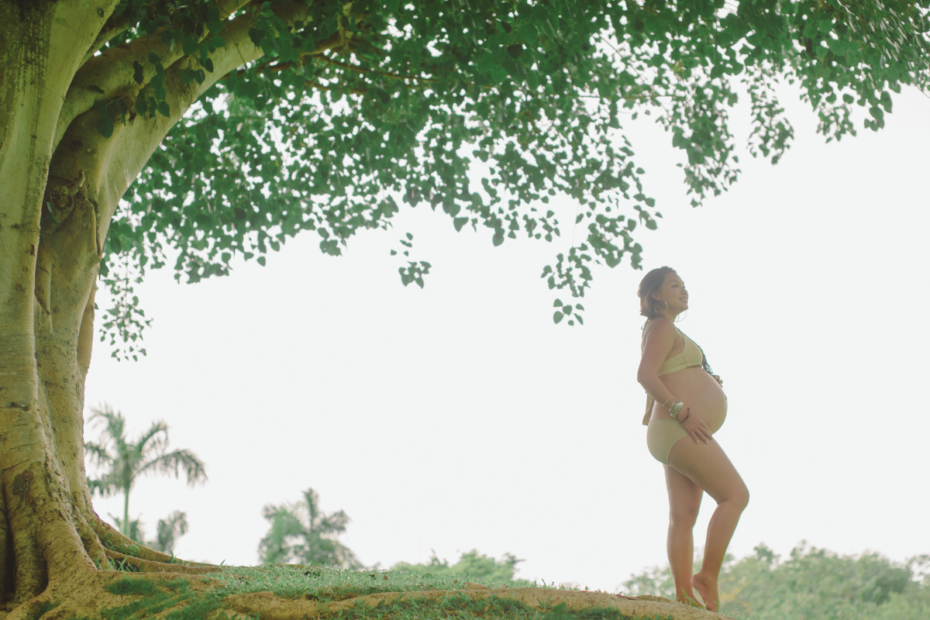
(298, 592)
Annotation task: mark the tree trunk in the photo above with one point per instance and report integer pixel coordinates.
(55, 206)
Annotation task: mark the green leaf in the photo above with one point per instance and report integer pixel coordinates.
(189, 45)
(557, 302)
(532, 79)
(105, 126)
(557, 316)
(256, 35)
(138, 72)
(459, 222)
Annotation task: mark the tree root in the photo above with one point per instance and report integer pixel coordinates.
(89, 593)
(135, 564)
(122, 547)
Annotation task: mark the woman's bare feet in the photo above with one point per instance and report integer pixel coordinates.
(690, 599)
(707, 588)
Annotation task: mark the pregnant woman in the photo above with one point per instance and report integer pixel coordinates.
(685, 407)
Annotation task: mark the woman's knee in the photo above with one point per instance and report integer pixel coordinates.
(740, 496)
(683, 516)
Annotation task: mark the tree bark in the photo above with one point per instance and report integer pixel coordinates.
(60, 183)
(58, 190)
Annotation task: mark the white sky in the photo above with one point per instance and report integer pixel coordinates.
(459, 416)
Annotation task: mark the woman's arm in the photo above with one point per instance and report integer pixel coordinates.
(659, 340)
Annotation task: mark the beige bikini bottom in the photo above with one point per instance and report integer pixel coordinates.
(662, 435)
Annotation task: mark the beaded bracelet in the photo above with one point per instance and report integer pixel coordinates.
(686, 417)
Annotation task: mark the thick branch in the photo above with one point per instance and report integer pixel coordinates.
(110, 75)
(110, 29)
(110, 165)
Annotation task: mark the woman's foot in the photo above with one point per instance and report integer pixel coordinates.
(688, 598)
(707, 587)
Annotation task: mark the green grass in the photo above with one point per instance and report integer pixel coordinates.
(327, 584)
(145, 598)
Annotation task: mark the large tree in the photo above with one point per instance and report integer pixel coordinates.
(212, 129)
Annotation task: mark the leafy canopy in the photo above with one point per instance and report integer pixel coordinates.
(485, 109)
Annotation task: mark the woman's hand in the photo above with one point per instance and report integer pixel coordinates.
(694, 425)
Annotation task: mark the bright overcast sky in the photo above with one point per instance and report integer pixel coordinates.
(459, 416)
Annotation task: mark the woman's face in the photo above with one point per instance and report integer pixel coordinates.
(673, 293)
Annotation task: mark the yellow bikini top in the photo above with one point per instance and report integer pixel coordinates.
(690, 356)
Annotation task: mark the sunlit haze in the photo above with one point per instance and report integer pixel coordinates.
(460, 417)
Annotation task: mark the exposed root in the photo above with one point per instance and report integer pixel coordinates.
(117, 544)
(128, 562)
(89, 593)
(92, 545)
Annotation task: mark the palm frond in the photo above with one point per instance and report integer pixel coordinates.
(97, 453)
(152, 441)
(169, 530)
(114, 425)
(312, 501)
(104, 486)
(173, 462)
(281, 544)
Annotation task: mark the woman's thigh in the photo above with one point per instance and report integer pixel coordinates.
(707, 466)
(684, 496)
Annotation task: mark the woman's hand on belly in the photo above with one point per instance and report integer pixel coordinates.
(695, 426)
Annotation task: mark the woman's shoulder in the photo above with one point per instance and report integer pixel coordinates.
(659, 326)
(661, 329)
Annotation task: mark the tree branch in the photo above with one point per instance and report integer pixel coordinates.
(110, 75)
(110, 165)
(110, 29)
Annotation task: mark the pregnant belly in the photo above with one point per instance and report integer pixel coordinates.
(698, 390)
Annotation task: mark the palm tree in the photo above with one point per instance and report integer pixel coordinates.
(301, 533)
(124, 461)
(167, 532)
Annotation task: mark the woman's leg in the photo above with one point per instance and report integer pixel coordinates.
(708, 467)
(684, 500)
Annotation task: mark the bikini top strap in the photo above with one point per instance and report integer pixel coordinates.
(704, 364)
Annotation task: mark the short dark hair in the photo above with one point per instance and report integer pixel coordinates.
(650, 283)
